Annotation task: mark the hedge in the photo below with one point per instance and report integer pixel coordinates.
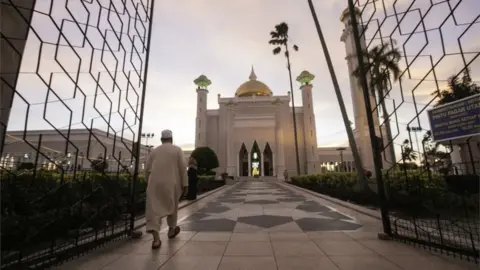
(405, 190)
(38, 209)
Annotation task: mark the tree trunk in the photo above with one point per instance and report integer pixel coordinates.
(351, 139)
(287, 54)
(387, 127)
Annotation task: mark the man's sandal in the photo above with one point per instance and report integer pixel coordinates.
(175, 232)
(156, 244)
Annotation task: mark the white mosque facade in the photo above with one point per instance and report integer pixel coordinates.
(252, 132)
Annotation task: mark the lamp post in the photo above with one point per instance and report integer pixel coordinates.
(341, 149)
(147, 136)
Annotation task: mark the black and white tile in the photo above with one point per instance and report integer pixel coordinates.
(267, 207)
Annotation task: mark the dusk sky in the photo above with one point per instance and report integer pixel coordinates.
(223, 39)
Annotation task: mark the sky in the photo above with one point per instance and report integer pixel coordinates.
(222, 40)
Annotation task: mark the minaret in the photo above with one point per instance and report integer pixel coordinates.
(202, 83)
(309, 129)
(361, 132)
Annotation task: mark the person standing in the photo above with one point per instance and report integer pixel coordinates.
(285, 175)
(192, 179)
(166, 176)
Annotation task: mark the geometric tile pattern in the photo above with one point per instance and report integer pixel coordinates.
(233, 234)
(266, 207)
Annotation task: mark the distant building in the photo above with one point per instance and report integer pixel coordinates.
(50, 149)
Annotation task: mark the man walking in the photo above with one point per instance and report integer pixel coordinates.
(166, 174)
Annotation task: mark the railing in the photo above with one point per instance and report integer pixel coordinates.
(84, 67)
(437, 63)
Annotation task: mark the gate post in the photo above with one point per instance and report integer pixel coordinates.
(16, 16)
(140, 126)
(377, 159)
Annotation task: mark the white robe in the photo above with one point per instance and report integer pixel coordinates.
(166, 172)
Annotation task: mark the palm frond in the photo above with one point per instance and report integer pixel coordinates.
(277, 42)
(282, 28)
(274, 34)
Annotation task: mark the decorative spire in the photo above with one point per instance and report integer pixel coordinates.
(305, 78)
(202, 82)
(252, 77)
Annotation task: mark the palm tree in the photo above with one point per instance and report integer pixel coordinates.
(458, 89)
(279, 38)
(351, 139)
(382, 62)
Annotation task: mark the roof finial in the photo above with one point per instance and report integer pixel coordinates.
(252, 77)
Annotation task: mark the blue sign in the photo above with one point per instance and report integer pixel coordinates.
(456, 119)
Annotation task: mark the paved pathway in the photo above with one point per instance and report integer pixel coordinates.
(267, 226)
(266, 207)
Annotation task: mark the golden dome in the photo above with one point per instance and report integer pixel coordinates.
(253, 88)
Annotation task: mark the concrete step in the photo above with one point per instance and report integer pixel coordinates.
(262, 178)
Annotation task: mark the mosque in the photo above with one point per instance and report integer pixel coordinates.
(252, 133)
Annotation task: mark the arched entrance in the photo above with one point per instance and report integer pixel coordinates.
(243, 160)
(256, 159)
(268, 161)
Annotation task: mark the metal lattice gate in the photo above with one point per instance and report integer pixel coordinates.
(73, 77)
(432, 186)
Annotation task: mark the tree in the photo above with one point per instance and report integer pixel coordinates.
(206, 159)
(279, 38)
(408, 154)
(458, 89)
(351, 139)
(382, 64)
(434, 158)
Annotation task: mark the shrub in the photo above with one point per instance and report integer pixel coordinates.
(99, 165)
(45, 205)
(26, 166)
(411, 190)
(206, 159)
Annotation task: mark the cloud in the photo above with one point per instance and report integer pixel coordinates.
(222, 39)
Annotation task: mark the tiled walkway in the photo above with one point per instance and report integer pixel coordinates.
(266, 225)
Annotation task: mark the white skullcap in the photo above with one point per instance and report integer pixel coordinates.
(166, 134)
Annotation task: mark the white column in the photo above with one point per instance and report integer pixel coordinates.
(230, 147)
(274, 164)
(280, 158)
(249, 164)
(309, 127)
(201, 120)
(262, 173)
(237, 170)
(359, 111)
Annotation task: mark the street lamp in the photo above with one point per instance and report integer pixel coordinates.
(341, 149)
(148, 136)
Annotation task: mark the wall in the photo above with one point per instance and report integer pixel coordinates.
(15, 30)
